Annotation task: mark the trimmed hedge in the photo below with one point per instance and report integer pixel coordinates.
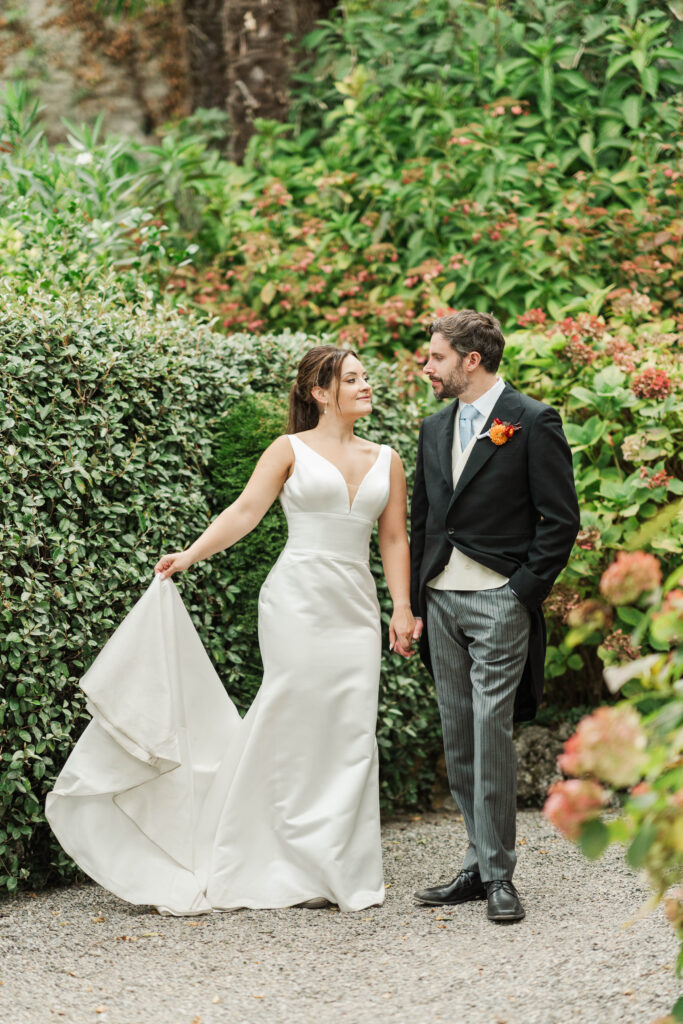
(116, 426)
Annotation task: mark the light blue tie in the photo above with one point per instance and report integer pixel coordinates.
(468, 414)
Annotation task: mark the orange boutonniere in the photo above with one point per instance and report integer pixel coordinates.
(500, 432)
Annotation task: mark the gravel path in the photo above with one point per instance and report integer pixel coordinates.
(79, 954)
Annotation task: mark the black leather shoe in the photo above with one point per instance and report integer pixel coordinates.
(503, 900)
(466, 886)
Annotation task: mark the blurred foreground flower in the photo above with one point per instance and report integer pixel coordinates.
(632, 574)
(591, 612)
(571, 802)
(667, 623)
(673, 907)
(609, 744)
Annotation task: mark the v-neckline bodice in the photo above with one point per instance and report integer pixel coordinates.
(350, 501)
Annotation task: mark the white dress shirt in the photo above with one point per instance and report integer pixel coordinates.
(461, 572)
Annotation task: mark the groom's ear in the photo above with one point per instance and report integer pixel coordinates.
(471, 361)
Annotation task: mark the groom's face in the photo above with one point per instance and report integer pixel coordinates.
(445, 369)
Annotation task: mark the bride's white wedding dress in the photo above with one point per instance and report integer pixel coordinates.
(169, 798)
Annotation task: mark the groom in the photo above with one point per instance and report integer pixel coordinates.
(494, 518)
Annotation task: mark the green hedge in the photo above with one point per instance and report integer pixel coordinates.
(116, 431)
(247, 428)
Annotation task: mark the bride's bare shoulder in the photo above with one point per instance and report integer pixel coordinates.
(279, 450)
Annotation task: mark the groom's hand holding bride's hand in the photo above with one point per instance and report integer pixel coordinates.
(403, 632)
(175, 562)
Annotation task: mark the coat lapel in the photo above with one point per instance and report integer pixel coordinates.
(508, 407)
(445, 441)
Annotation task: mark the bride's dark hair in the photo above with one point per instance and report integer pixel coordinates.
(319, 368)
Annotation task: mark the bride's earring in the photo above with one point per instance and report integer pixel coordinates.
(325, 409)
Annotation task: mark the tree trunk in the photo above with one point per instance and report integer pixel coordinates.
(205, 52)
(240, 54)
(260, 37)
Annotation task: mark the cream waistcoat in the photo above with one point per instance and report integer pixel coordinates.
(461, 572)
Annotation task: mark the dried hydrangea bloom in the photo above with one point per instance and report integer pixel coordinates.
(571, 802)
(609, 744)
(632, 574)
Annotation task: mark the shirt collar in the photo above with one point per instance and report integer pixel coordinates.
(485, 403)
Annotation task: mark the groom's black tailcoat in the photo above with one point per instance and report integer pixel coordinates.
(514, 509)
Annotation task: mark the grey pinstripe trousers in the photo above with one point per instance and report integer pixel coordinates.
(478, 642)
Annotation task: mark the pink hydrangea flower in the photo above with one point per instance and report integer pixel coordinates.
(632, 574)
(571, 802)
(610, 744)
(652, 383)
(532, 316)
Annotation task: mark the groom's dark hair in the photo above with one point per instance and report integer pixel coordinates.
(469, 331)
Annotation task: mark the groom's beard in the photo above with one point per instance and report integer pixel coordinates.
(451, 386)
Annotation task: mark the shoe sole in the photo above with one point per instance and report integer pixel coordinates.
(449, 903)
(506, 917)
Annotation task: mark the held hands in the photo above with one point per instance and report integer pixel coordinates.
(168, 564)
(404, 630)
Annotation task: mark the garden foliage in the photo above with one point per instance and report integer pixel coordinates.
(448, 154)
(636, 745)
(618, 382)
(438, 155)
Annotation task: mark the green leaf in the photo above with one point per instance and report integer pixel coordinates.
(631, 616)
(631, 109)
(640, 847)
(618, 831)
(649, 79)
(586, 145)
(677, 1010)
(594, 838)
(616, 64)
(639, 59)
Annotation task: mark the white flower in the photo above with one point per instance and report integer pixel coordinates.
(84, 158)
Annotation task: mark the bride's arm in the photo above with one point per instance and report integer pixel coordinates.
(238, 519)
(395, 552)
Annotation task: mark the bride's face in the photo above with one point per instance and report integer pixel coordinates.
(354, 397)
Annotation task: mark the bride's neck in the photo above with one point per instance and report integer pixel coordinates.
(337, 430)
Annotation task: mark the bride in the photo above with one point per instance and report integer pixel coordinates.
(169, 798)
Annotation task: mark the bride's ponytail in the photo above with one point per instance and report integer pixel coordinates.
(319, 368)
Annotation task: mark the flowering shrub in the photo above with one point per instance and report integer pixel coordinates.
(570, 804)
(638, 744)
(542, 171)
(627, 467)
(632, 574)
(608, 744)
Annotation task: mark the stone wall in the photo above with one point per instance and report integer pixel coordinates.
(79, 64)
